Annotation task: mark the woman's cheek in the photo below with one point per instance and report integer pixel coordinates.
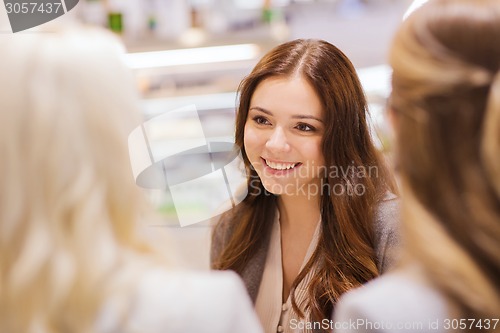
(250, 140)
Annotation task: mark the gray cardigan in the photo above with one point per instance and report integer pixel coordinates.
(386, 242)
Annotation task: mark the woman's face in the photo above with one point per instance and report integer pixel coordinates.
(283, 136)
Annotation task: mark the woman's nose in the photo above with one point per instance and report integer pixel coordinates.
(278, 140)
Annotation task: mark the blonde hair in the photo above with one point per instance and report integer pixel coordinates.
(446, 88)
(68, 202)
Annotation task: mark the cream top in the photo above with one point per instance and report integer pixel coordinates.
(274, 315)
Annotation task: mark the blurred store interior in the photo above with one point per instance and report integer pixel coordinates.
(195, 52)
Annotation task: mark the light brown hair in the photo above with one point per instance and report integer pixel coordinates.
(446, 87)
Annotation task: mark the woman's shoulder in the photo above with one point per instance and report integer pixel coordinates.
(190, 301)
(387, 232)
(223, 227)
(387, 218)
(394, 302)
(387, 211)
(225, 222)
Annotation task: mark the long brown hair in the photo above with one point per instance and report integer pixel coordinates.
(344, 257)
(446, 100)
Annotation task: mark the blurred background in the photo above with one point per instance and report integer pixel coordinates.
(195, 52)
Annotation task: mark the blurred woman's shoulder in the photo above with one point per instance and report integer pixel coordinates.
(182, 301)
(395, 302)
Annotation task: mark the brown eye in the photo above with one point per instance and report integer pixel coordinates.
(261, 120)
(305, 127)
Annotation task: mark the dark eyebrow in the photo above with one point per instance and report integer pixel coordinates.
(299, 116)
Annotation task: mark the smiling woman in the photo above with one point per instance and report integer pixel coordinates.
(303, 236)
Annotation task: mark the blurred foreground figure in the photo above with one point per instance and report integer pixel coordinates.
(70, 255)
(445, 108)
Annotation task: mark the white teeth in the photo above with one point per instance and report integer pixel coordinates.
(280, 166)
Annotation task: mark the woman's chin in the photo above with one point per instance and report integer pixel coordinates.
(276, 189)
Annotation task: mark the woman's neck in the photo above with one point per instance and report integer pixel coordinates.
(298, 212)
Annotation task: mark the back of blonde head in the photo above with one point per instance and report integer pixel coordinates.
(68, 202)
(446, 93)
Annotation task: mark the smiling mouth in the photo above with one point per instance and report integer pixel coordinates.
(281, 165)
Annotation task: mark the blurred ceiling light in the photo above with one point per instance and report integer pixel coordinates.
(192, 56)
(376, 80)
(259, 4)
(413, 7)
